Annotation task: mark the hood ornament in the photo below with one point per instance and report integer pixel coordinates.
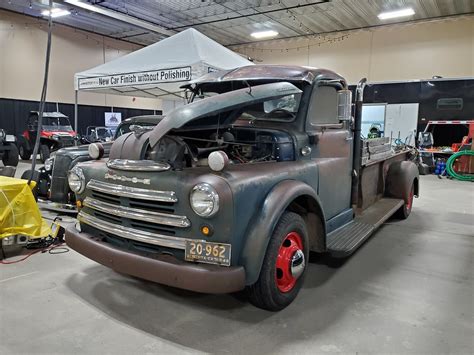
(139, 130)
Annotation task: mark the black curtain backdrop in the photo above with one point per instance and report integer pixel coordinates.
(14, 113)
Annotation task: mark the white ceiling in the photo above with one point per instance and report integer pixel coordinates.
(231, 22)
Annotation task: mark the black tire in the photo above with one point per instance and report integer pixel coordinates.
(36, 177)
(405, 210)
(44, 152)
(10, 157)
(267, 293)
(25, 154)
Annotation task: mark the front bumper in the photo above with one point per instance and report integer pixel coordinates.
(164, 269)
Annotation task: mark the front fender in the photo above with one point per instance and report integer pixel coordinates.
(263, 223)
(400, 176)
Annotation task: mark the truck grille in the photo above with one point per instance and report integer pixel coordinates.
(134, 213)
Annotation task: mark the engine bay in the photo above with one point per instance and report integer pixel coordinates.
(243, 145)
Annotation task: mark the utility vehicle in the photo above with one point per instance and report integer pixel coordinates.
(56, 133)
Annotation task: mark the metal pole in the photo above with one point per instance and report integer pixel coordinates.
(76, 94)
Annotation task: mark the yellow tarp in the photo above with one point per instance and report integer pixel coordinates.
(19, 213)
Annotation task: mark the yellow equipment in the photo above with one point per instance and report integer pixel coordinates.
(19, 213)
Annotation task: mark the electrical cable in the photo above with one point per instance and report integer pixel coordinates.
(450, 163)
(43, 95)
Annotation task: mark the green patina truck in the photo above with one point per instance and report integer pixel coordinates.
(233, 190)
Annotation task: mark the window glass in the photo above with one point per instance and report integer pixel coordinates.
(323, 106)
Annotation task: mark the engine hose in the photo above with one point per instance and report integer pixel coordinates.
(450, 162)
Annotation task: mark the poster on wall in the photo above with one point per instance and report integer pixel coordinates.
(113, 119)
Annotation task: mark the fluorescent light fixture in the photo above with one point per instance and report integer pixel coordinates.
(55, 12)
(264, 34)
(395, 14)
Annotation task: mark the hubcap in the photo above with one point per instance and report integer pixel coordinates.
(290, 262)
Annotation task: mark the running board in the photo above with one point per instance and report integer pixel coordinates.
(345, 240)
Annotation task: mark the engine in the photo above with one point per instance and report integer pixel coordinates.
(242, 146)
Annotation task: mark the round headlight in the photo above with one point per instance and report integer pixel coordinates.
(48, 164)
(96, 150)
(204, 200)
(76, 180)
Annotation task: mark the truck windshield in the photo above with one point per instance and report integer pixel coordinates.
(56, 124)
(282, 109)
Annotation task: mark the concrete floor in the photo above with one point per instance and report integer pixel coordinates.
(409, 289)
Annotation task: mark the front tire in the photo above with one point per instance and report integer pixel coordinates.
(10, 157)
(284, 265)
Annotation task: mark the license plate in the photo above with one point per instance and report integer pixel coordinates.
(206, 252)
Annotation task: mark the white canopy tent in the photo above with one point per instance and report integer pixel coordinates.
(158, 71)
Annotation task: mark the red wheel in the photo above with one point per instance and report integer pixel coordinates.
(282, 273)
(405, 210)
(290, 262)
(409, 203)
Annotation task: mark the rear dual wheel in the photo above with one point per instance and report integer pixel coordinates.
(284, 265)
(405, 210)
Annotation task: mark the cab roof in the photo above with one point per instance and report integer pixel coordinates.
(291, 73)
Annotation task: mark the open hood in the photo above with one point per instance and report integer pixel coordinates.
(220, 103)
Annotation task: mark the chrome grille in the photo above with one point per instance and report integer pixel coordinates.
(134, 213)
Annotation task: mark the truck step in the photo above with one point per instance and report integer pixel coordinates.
(345, 240)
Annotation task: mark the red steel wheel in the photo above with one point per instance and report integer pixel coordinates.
(283, 268)
(409, 203)
(290, 252)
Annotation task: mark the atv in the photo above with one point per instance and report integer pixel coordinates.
(56, 133)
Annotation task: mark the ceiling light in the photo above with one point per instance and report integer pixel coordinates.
(264, 34)
(398, 13)
(56, 12)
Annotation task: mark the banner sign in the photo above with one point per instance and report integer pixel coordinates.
(112, 119)
(136, 79)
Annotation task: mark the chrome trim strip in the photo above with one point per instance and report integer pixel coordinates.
(137, 165)
(132, 192)
(56, 206)
(132, 233)
(138, 214)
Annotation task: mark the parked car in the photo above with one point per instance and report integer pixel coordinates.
(97, 134)
(56, 133)
(8, 149)
(53, 191)
(231, 192)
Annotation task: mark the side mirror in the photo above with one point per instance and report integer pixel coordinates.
(344, 105)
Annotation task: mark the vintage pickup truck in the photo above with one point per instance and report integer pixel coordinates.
(233, 190)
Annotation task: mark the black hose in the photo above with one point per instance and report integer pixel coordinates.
(43, 95)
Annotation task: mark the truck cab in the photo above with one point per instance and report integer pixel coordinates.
(233, 190)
